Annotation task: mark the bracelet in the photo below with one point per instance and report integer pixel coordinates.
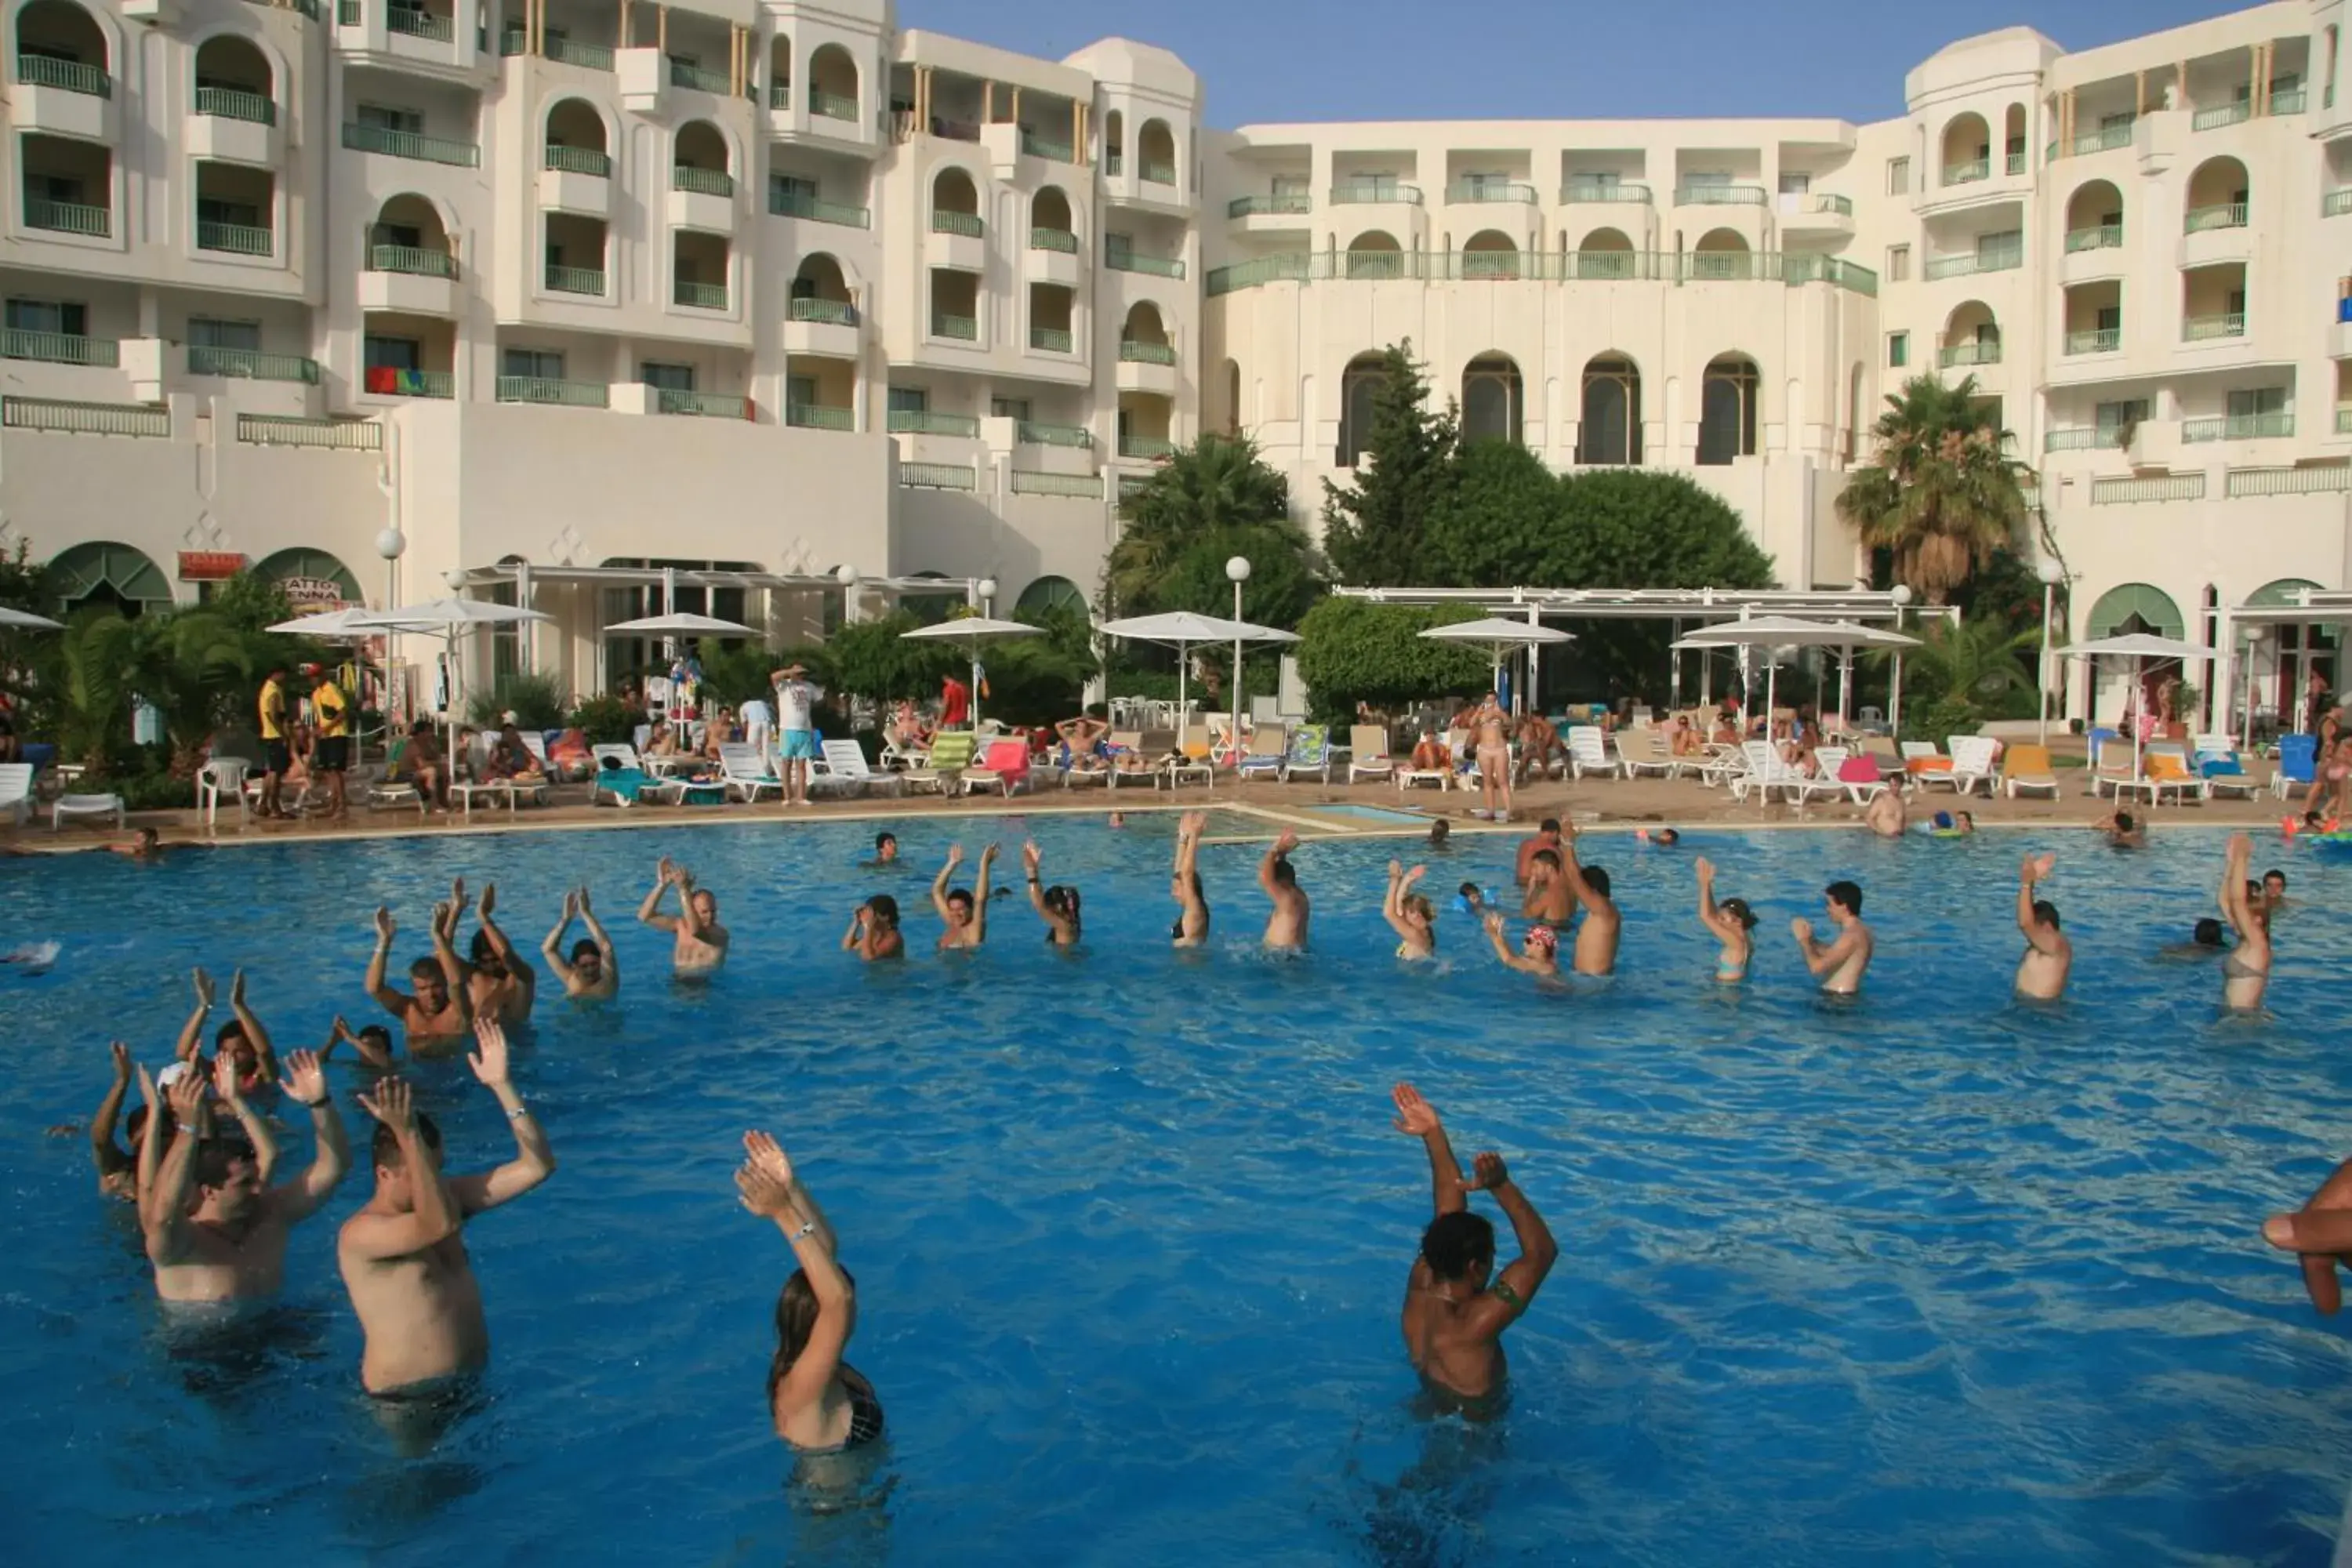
(319, 1104)
(518, 1113)
(808, 1229)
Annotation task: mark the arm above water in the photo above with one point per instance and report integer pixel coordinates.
(940, 882)
(301, 1198)
(110, 1160)
(813, 1371)
(192, 1032)
(518, 968)
(551, 950)
(1493, 1309)
(1416, 1118)
(393, 1002)
(264, 1052)
(534, 1159)
(372, 1237)
(646, 912)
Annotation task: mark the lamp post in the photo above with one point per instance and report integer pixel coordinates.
(2051, 574)
(391, 544)
(986, 587)
(1238, 570)
(1902, 596)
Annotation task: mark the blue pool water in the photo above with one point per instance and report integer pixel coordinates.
(1934, 1278)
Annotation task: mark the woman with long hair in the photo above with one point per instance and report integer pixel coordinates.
(819, 1403)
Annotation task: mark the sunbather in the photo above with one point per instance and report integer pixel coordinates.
(2048, 956)
(874, 930)
(1409, 913)
(701, 945)
(1539, 741)
(1430, 755)
(1839, 963)
(966, 914)
(1732, 924)
(1192, 927)
(1539, 950)
(1286, 929)
(1082, 741)
(592, 969)
(1058, 906)
(2245, 969)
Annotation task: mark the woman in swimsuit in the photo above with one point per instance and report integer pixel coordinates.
(1192, 927)
(1408, 914)
(1731, 922)
(1494, 757)
(2245, 968)
(819, 1403)
(1058, 906)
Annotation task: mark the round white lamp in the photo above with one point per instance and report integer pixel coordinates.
(846, 574)
(391, 544)
(1902, 594)
(2051, 573)
(456, 578)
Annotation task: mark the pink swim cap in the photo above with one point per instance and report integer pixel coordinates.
(1544, 937)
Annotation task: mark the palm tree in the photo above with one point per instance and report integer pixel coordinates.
(191, 666)
(1219, 482)
(1972, 662)
(1939, 494)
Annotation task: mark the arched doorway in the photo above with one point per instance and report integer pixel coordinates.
(1727, 416)
(1493, 399)
(2298, 651)
(1490, 253)
(1374, 255)
(1610, 429)
(2124, 610)
(1049, 595)
(103, 574)
(313, 579)
(1359, 386)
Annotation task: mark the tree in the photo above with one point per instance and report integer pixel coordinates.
(1351, 651)
(1218, 482)
(1938, 495)
(1372, 531)
(1037, 680)
(873, 659)
(1499, 524)
(193, 667)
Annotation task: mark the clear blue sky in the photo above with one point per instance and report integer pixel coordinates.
(1541, 59)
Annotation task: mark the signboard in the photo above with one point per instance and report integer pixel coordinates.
(313, 592)
(210, 566)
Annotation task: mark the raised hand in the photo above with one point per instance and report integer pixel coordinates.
(122, 1054)
(955, 855)
(1488, 1173)
(489, 1061)
(988, 856)
(489, 899)
(1287, 842)
(1706, 869)
(236, 988)
(1029, 856)
(763, 1194)
(458, 892)
(304, 1078)
(760, 1149)
(1191, 824)
(148, 1092)
(2036, 868)
(666, 871)
(185, 1095)
(392, 1105)
(1801, 928)
(1416, 1117)
(570, 906)
(583, 899)
(204, 988)
(1396, 870)
(383, 926)
(1415, 875)
(445, 920)
(1492, 920)
(225, 1079)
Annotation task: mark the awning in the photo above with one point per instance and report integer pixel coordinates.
(2120, 606)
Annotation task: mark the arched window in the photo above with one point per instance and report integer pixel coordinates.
(700, 148)
(2131, 607)
(1727, 409)
(1114, 142)
(314, 579)
(105, 573)
(575, 138)
(1611, 431)
(1967, 148)
(2013, 140)
(1155, 154)
(1049, 594)
(1492, 400)
(2094, 216)
(833, 83)
(955, 203)
(233, 79)
(820, 278)
(1144, 325)
(1972, 336)
(1605, 253)
(1374, 255)
(408, 236)
(60, 31)
(2218, 195)
(1359, 384)
(1490, 253)
(1722, 255)
(1049, 215)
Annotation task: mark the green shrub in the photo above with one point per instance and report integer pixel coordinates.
(606, 720)
(536, 701)
(154, 791)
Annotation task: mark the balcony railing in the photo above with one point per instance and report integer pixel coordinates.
(711, 404)
(1070, 487)
(1053, 339)
(965, 224)
(2288, 100)
(2157, 487)
(2313, 480)
(2335, 204)
(700, 80)
(2221, 324)
(1807, 268)
(1040, 432)
(411, 144)
(2005, 258)
(1157, 173)
(820, 416)
(1135, 353)
(2238, 427)
(2096, 236)
(1351, 192)
(587, 280)
(552, 390)
(229, 103)
(235, 238)
(332, 435)
(1271, 203)
(84, 418)
(2079, 438)
(965, 329)
(705, 182)
(1120, 258)
(928, 422)
(1146, 446)
(60, 348)
(2344, 422)
(1587, 266)
(572, 52)
(2222, 114)
(1967, 171)
(936, 476)
(67, 217)
(385, 380)
(795, 203)
(579, 161)
(1112, 162)
(1987, 352)
(2222, 215)
(805, 307)
(2014, 163)
(1719, 195)
(418, 22)
(1489, 191)
(1604, 191)
(410, 258)
(1045, 147)
(1060, 239)
(42, 70)
(698, 296)
(2097, 340)
(1827, 202)
(251, 364)
(831, 106)
(2106, 139)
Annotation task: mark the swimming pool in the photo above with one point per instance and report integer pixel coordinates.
(1930, 1278)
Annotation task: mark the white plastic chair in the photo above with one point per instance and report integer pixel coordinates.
(1974, 762)
(223, 776)
(16, 790)
(743, 774)
(1588, 751)
(67, 805)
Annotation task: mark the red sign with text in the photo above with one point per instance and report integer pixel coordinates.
(210, 566)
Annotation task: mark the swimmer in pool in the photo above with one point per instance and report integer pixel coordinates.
(1409, 913)
(1545, 837)
(2123, 832)
(243, 1039)
(966, 916)
(1287, 927)
(1548, 897)
(1538, 952)
(701, 945)
(402, 1256)
(144, 845)
(2321, 1232)
(874, 930)
(1192, 927)
(1453, 1318)
(1058, 906)
(2207, 938)
(1471, 900)
(886, 852)
(371, 1041)
(2048, 956)
(118, 1168)
(2273, 890)
(594, 970)
(1731, 922)
(436, 1009)
(214, 1230)
(1886, 813)
(1665, 837)
(2246, 968)
(819, 1403)
(1441, 835)
(503, 985)
(1839, 963)
(1596, 939)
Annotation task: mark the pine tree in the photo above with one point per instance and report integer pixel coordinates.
(1372, 530)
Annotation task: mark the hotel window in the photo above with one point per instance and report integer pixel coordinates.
(903, 399)
(1898, 263)
(1898, 176)
(2114, 419)
(64, 318)
(2258, 401)
(665, 377)
(384, 119)
(538, 365)
(1008, 408)
(1795, 185)
(207, 332)
(1899, 349)
(391, 353)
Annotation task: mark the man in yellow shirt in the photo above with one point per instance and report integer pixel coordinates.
(278, 755)
(330, 712)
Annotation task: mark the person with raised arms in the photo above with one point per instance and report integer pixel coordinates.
(2245, 968)
(242, 1038)
(874, 930)
(438, 1008)
(966, 914)
(701, 942)
(1538, 952)
(1286, 927)
(502, 984)
(1596, 939)
(1192, 927)
(1838, 965)
(818, 1401)
(1058, 906)
(1409, 913)
(2048, 956)
(1731, 922)
(594, 970)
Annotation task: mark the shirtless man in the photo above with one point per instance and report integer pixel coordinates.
(2048, 956)
(701, 945)
(214, 1232)
(2123, 832)
(1596, 939)
(1490, 729)
(1546, 837)
(965, 914)
(1838, 965)
(439, 1009)
(2245, 968)
(1539, 741)
(1453, 1319)
(1286, 929)
(874, 930)
(1887, 813)
(1548, 897)
(592, 969)
(502, 984)
(403, 1256)
(2321, 1232)
(1192, 927)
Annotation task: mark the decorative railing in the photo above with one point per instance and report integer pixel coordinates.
(1038, 146)
(1060, 239)
(2240, 483)
(84, 418)
(1489, 191)
(60, 348)
(410, 258)
(1053, 339)
(1719, 195)
(587, 280)
(554, 391)
(2221, 214)
(705, 182)
(1585, 266)
(832, 105)
(1985, 352)
(2079, 438)
(1135, 353)
(2014, 163)
(411, 144)
(44, 71)
(1146, 446)
(1272, 202)
(67, 217)
(697, 296)
(1828, 201)
(965, 329)
(2094, 236)
(967, 225)
(572, 52)
(2221, 324)
(2097, 340)
(2237, 426)
(2159, 487)
(695, 76)
(418, 22)
(1120, 258)
(1967, 171)
(926, 422)
(235, 238)
(2335, 204)
(2001, 258)
(709, 405)
(2288, 100)
(2222, 114)
(230, 103)
(937, 476)
(1071, 487)
(1604, 191)
(579, 161)
(1039, 433)
(251, 364)
(795, 203)
(807, 308)
(820, 416)
(285, 430)
(1351, 192)
(1156, 174)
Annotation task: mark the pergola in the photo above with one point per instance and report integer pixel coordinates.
(2309, 607)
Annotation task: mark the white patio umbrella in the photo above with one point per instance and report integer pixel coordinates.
(1185, 630)
(26, 620)
(330, 625)
(1501, 636)
(1787, 631)
(443, 618)
(971, 630)
(684, 624)
(2136, 645)
(1864, 636)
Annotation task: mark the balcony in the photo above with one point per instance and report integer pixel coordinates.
(235, 238)
(84, 418)
(2004, 259)
(1580, 190)
(827, 328)
(697, 79)
(2313, 480)
(1820, 211)
(63, 98)
(2238, 427)
(60, 348)
(957, 328)
(233, 127)
(925, 422)
(707, 404)
(840, 312)
(1156, 174)
(385, 380)
(708, 182)
(577, 180)
(2154, 488)
(2080, 439)
(1360, 193)
(1968, 172)
(820, 416)
(588, 281)
(2225, 215)
(1719, 196)
(548, 390)
(418, 22)
(412, 259)
(411, 144)
(957, 241)
(1146, 367)
(2096, 341)
(67, 76)
(832, 105)
(1038, 433)
(1070, 487)
(2097, 236)
(1985, 352)
(2335, 204)
(793, 204)
(1052, 152)
(68, 217)
(1148, 447)
(2013, 164)
(2288, 100)
(1473, 190)
(1121, 258)
(410, 279)
(251, 364)
(1053, 339)
(228, 103)
(702, 199)
(1274, 203)
(697, 296)
(1060, 239)
(2222, 114)
(936, 476)
(2106, 139)
(2209, 328)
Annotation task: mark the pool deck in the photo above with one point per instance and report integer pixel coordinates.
(1602, 805)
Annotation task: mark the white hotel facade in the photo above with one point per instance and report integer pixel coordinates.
(554, 296)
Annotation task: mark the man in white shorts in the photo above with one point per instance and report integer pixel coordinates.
(758, 726)
(796, 713)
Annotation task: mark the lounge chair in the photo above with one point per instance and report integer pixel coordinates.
(1645, 750)
(943, 769)
(1859, 772)
(1005, 765)
(1309, 752)
(1131, 760)
(220, 778)
(2026, 768)
(626, 781)
(1191, 755)
(743, 773)
(465, 790)
(16, 790)
(1368, 754)
(1975, 761)
(1407, 775)
(1268, 744)
(1926, 766)
(1588, 751)
(845, 765)
(2162, 771)
(67, 805)
(2224, 775)
(2297, 763)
